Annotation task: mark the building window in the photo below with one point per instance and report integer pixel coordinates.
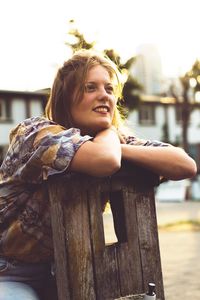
(1, 155)
(4, 110)
(147, 115)
(3, 150)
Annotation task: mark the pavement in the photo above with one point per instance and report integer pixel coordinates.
(171, 212)
(179, 248)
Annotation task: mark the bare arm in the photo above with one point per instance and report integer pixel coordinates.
(171, 162)
(99, 157)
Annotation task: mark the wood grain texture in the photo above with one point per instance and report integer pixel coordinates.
(60, 250)
(88, 269)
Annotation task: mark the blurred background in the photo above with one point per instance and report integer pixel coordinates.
(155, 43)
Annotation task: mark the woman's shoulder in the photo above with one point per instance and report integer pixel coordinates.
(35, 122)
(30, 126)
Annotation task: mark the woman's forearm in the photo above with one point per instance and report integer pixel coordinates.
(171, 162)
(99, 157)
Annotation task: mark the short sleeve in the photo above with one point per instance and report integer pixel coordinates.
(41, 149)
(131, 140)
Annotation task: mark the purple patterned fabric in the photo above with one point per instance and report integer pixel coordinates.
(38, 149)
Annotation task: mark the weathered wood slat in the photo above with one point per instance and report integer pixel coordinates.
(78, 277)
(129, 255)
(56, 196)
(148, 240)
(80, 266)
(86, 268)
(105, 260)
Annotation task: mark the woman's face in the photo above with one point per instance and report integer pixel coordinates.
(95, 111)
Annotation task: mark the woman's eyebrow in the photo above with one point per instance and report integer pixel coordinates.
(96, 82)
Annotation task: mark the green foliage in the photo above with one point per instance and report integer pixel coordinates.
(81, 42)
(113, 56)
(195, 73)
(117, 60)
(131, 93)
(192, 74)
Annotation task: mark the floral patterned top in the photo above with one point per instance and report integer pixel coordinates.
(39, 148)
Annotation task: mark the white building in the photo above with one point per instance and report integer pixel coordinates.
(16, 106)
(159, 118)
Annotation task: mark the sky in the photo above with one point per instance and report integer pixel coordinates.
(33, 34)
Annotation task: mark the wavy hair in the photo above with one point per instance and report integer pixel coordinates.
(69, 85)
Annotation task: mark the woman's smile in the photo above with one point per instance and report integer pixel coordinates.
(102, 109)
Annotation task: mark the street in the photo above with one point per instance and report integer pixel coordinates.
(170, 212)
(179, 248)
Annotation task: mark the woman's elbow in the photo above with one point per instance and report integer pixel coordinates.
(187, 170)
(115, 166)
(191, 169)
(107, 167)
(111, 167)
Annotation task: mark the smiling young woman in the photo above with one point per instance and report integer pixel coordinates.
(82, 132)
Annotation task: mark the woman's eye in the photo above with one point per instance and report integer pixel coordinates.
(109, 89)
(89, 88)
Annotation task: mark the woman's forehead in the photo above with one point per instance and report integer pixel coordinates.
(98, 72)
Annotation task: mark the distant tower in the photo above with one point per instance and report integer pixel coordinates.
(148, 69)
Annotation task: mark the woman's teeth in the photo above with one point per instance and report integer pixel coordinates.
(101, 109)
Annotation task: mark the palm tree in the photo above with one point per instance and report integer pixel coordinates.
(190, 77)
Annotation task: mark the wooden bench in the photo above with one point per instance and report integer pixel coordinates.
(87, 268)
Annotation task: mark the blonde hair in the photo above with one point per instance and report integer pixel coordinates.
(69, 85)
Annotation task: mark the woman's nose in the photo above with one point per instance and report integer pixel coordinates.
(103, 95)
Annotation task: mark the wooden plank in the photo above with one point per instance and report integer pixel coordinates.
(73, 244)
(56, 196)
(128, 254)
(129, 259)
(148, 240)
(105, 260)
(78, 243)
